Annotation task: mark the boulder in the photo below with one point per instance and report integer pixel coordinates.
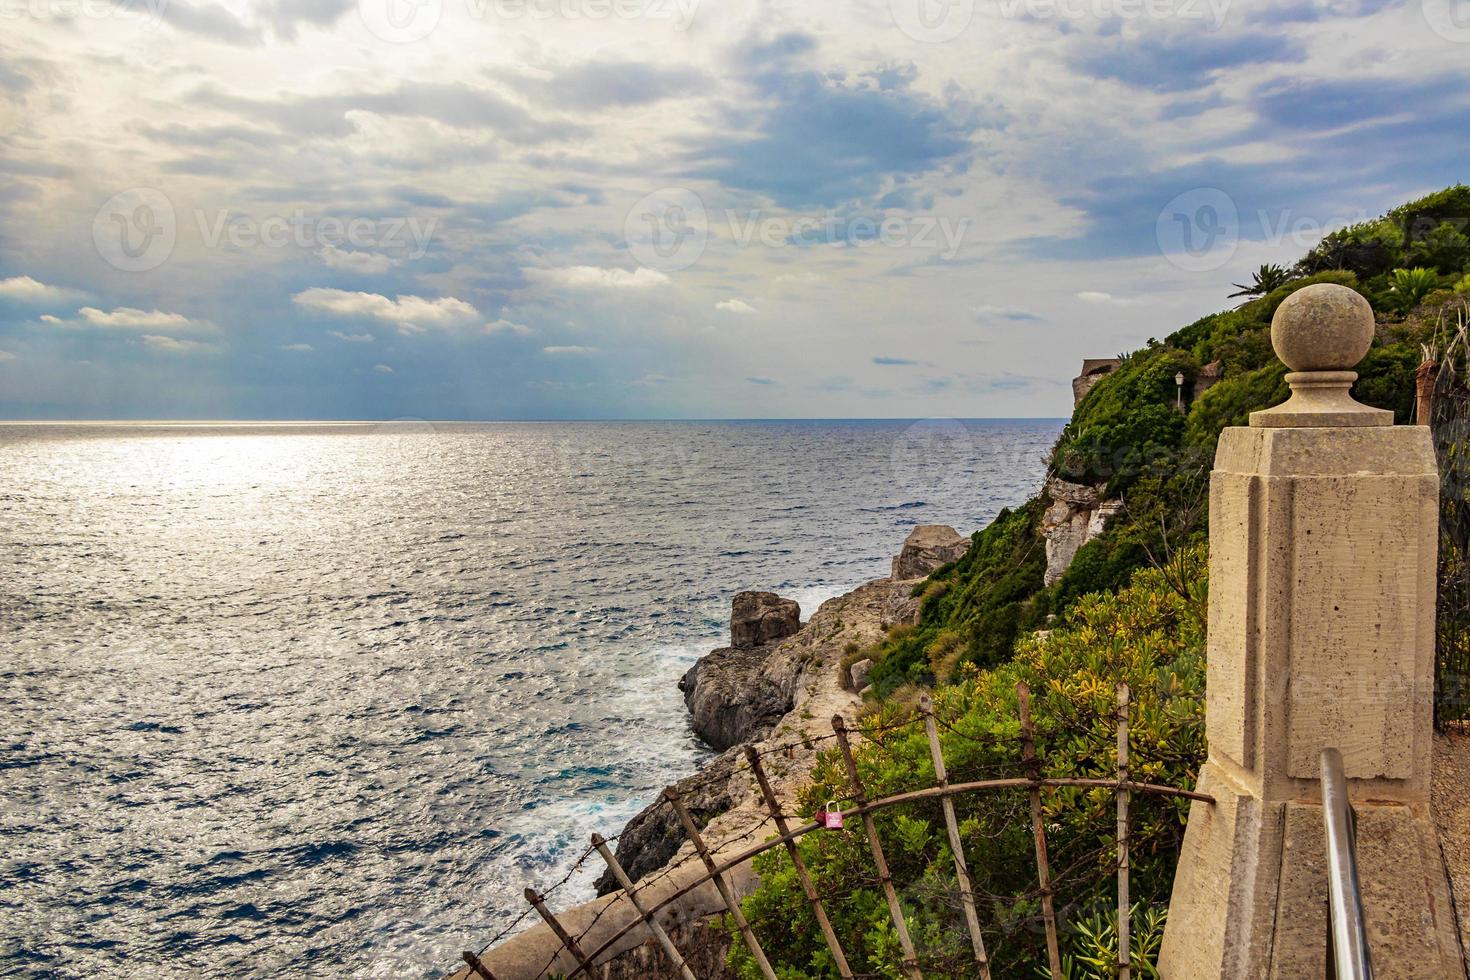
(928, 547)
(858, 674)
(732, 699)
(762, 617)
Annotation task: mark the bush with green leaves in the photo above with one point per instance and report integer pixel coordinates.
(1149, 634)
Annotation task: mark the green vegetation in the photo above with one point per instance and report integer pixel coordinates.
(1150, 634)
(983, 621)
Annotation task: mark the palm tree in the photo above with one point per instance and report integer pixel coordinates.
(1265, 279)
(1412, 285)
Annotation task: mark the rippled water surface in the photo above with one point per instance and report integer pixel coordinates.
(321, 699)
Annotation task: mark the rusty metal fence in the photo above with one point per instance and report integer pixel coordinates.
(1032, 783)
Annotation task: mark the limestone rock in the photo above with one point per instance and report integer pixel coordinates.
(1076, 516)
(731, 696)
(762, 617)
(858, 674)
(1094, 369)
(928, 547)
(651, 838)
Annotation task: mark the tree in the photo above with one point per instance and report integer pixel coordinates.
(1264, 280)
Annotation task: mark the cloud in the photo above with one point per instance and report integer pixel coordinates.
(987, 312)
(893, 361)
(27, 290)
(128, 318)
(1100, 298)
(815, 137)
(410, 314)
(594, 277)
(352, 338)
(506, 326)
(206, 20)
(5, 355)
(382, 369)
(173, 344)
(340, 114)
(735, 306)
(601, 84)
(568, 349)
(362, 263)
(762, 381)
(1180, 61)
(299, 348)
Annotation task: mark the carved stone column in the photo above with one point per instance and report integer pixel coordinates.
(1323, 529)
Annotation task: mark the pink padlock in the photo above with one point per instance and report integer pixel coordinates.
(831, 816)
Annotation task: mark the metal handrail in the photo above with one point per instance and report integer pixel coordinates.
(1347, 932)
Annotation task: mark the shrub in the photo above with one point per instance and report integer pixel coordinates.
(1150, 634)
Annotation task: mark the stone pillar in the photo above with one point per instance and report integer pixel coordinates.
(1323, 529)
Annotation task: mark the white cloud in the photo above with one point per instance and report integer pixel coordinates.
(568, 349)
(5, 355)
(28, 290)
(591, 276)
(410, 314)
(382, 369)
(362, 263)
(352, 338)
(130, 318)
(505, 325)
(735, 306)
(173, 344)
(1094, 296)
(300, 348)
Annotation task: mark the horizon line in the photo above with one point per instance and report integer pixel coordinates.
(413, 420)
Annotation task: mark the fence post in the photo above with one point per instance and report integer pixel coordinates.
(746, 933)
(910, 959)
(1125, 908)
(476, 967)
(618, 873)
(956, 846)
(818, 910)
(539, 904)
(1038, 829)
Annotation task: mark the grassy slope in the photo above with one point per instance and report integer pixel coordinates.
(1126, 434)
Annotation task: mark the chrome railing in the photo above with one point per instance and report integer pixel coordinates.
(1347, 934)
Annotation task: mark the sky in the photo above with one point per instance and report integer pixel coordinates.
(569, 209)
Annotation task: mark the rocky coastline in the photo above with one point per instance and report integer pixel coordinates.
(777, 685)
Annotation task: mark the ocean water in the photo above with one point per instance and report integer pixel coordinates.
(320, 700)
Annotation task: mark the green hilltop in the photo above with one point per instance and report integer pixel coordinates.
(1412, 264)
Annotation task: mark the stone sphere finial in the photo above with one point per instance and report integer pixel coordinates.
(1322, 327)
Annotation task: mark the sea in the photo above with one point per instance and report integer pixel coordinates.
(321, 699)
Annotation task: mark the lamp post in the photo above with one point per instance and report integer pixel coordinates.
(1179, 390)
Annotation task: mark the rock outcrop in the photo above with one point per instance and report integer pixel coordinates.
(1077, 515)
(928, 547)
(1094, 369)
(762, 617)
(732, 698)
